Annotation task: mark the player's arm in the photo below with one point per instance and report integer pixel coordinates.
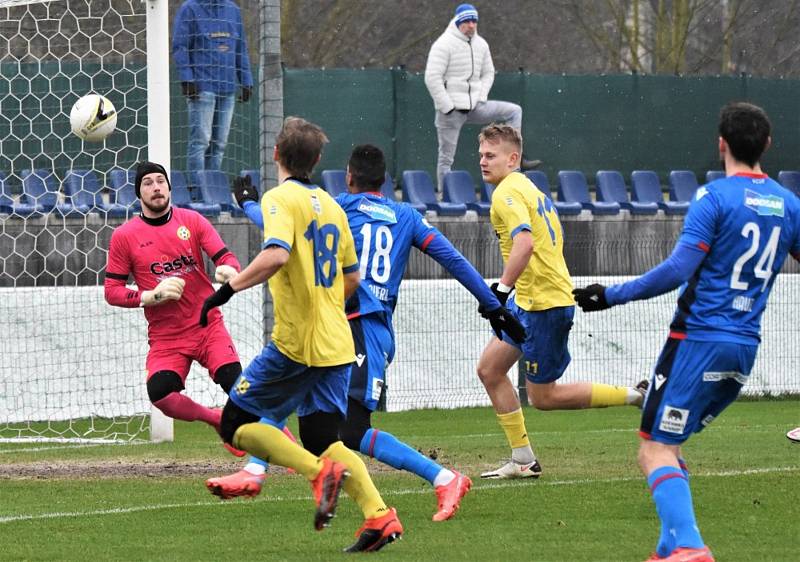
(351, 281)
(265, 265)
(225, 261)
(513, 213)
(118, 268)
(442, 250)
(350, 265)
(437, 246)
(688, 254)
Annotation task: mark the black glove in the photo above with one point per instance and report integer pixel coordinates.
(244, 190)
(501, 296)
(591, 298)
(220, 297)
(247, 91)
(502, 320)
(190, 90)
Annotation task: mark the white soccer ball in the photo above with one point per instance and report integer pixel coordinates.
(93, 117)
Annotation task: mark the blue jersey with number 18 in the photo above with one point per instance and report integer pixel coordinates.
(746, 224)
(384, 232)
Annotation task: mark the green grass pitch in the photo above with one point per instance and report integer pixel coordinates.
(148, 502)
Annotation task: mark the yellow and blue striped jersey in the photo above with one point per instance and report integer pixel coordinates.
(517, 204)
(308, 291)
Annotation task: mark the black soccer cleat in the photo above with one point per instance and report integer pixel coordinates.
(377, 532)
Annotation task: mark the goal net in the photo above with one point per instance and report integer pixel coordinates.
(73, 366)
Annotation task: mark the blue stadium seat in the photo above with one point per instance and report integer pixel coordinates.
(334, 182)
(123, 201)
(646, 188)
(458, 188)
(572, 186)
(790, 179)
(182, 198)
(83, 191)
(40, 191)
(682, 185)
(215, 190)
(6, 196)
(714, 175)
(387, 189)
(540, 180)
(611, 187)
(418, 190)
(486, 192)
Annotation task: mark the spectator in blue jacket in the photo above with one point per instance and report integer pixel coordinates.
(210, 51)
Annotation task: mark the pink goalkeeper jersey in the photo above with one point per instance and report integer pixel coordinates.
(152, 251)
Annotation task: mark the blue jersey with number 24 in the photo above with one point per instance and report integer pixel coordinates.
(746, 224)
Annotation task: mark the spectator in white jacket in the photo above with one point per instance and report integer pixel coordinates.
(459, 74)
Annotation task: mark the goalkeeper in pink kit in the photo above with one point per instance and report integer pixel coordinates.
(163, 250)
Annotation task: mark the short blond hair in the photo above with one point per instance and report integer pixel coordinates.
(497, 132)
(299, 145)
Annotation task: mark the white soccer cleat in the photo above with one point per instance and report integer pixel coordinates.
(794, 435)
(515, 470)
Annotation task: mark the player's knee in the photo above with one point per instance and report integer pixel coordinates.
(319, 431)
(233, 417)
(227, 375)
(352, 431)
(163, 383)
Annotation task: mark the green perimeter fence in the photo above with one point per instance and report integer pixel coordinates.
(620, 122)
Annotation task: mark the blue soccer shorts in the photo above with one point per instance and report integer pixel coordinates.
(374, 342)
(692, 383)
(273, 386)
(545, 349)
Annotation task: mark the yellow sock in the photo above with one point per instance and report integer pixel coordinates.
(604, 395)
(359, 485)
(513, 424)
(269, 443)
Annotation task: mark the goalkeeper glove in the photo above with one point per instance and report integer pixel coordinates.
(169, 289)
(591, 298)
(224, 273)
(244, 190)
(220, 297)
(502, 320)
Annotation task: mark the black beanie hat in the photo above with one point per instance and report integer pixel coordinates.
(142, 169)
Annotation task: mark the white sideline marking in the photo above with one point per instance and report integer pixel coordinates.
(534, 432)
(406, 492)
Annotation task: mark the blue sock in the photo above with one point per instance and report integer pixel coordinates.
(386, 448)
(666, 544)
(673, 499)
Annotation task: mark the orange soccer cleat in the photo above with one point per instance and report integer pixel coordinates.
(326, 487)
(450, 496)
(683, 554)
(238, 484)
(377, 532)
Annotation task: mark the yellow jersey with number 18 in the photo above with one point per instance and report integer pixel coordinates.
(517, 204)
(308, 291)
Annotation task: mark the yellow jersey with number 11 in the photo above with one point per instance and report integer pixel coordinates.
(517, 204)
